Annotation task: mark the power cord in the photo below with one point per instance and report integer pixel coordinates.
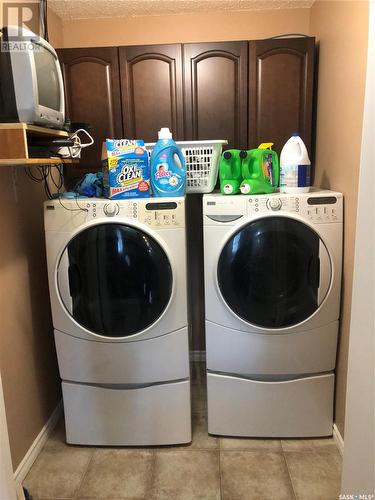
(44, 175)
(44, 18)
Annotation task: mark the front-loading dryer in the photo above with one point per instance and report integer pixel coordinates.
(117, 279)
(272, 298)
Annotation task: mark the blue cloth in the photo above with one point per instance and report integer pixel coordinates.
(90, 185)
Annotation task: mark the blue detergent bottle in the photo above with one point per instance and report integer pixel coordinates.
(168, 172)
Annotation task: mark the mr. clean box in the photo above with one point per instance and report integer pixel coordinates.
(126, 171)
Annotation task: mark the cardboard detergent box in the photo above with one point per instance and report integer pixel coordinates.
(126, 171)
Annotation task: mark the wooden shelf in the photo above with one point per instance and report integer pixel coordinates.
(37, 161)
(14, 145)
(34, 129)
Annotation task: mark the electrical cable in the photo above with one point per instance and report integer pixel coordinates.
(45, 174)
(286, 35)
(60, 182)
(46, 23)
(32, 176)
(43, 19)
(79, 209)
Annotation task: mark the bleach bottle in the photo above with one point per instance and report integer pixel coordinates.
(295, 167)
(230, 171)
(168, 173)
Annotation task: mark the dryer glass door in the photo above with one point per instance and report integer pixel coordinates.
(114, 279)
(274, 272)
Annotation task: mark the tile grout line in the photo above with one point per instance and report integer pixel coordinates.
(220, 475)
(220, 470)
(84, 474)
(287, 468)
(150, 491)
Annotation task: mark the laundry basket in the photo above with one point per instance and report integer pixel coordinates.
(202, 163)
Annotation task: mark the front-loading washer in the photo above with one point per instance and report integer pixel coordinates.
(272, 299)
(117, 280)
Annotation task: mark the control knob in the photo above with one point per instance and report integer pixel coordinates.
(111, 209)
(274, 203)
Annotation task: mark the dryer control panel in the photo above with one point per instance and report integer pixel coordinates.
(318, 208)
(165, 214)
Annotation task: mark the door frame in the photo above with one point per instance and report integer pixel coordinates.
(8, 485)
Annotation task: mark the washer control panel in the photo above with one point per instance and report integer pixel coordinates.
(165, 214)
(317, 208)
(111, 209)
(65, 214)
(274, 203)
(99, 208)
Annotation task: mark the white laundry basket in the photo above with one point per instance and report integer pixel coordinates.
(202, 163)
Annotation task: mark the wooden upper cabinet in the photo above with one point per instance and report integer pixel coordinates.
(281, 75)
(92, 95)
(151, 83)
(215, 91)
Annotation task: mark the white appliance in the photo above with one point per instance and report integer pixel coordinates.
(117, 279)
(272, 288)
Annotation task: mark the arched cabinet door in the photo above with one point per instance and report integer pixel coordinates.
(281, 73)
(215, 91)
(151, 84)
(92, 95)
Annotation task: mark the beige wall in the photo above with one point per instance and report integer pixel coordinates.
(213, 26)
(342, 28)
(55, 29)
(27, 354)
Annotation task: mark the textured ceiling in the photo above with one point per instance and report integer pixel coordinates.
(88, 9)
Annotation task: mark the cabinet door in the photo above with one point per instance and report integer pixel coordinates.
(280, 90)
(215, 91)
(151, 83)
(92, 95)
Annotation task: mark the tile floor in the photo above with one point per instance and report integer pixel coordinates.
(209, 468)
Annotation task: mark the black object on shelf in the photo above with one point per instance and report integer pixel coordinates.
(74, 126)
(45, 147)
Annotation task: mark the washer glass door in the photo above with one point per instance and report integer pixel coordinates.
(114, 279)
(274, 272)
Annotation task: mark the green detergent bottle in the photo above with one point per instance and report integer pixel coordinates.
(260, 170)
(230, 171)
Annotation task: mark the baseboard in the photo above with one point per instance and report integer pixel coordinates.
(36, 447)
(198, 356)
(338, 438)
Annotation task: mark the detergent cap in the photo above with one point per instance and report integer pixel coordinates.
(164, 133)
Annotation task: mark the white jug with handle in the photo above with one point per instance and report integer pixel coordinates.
(295, 166)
